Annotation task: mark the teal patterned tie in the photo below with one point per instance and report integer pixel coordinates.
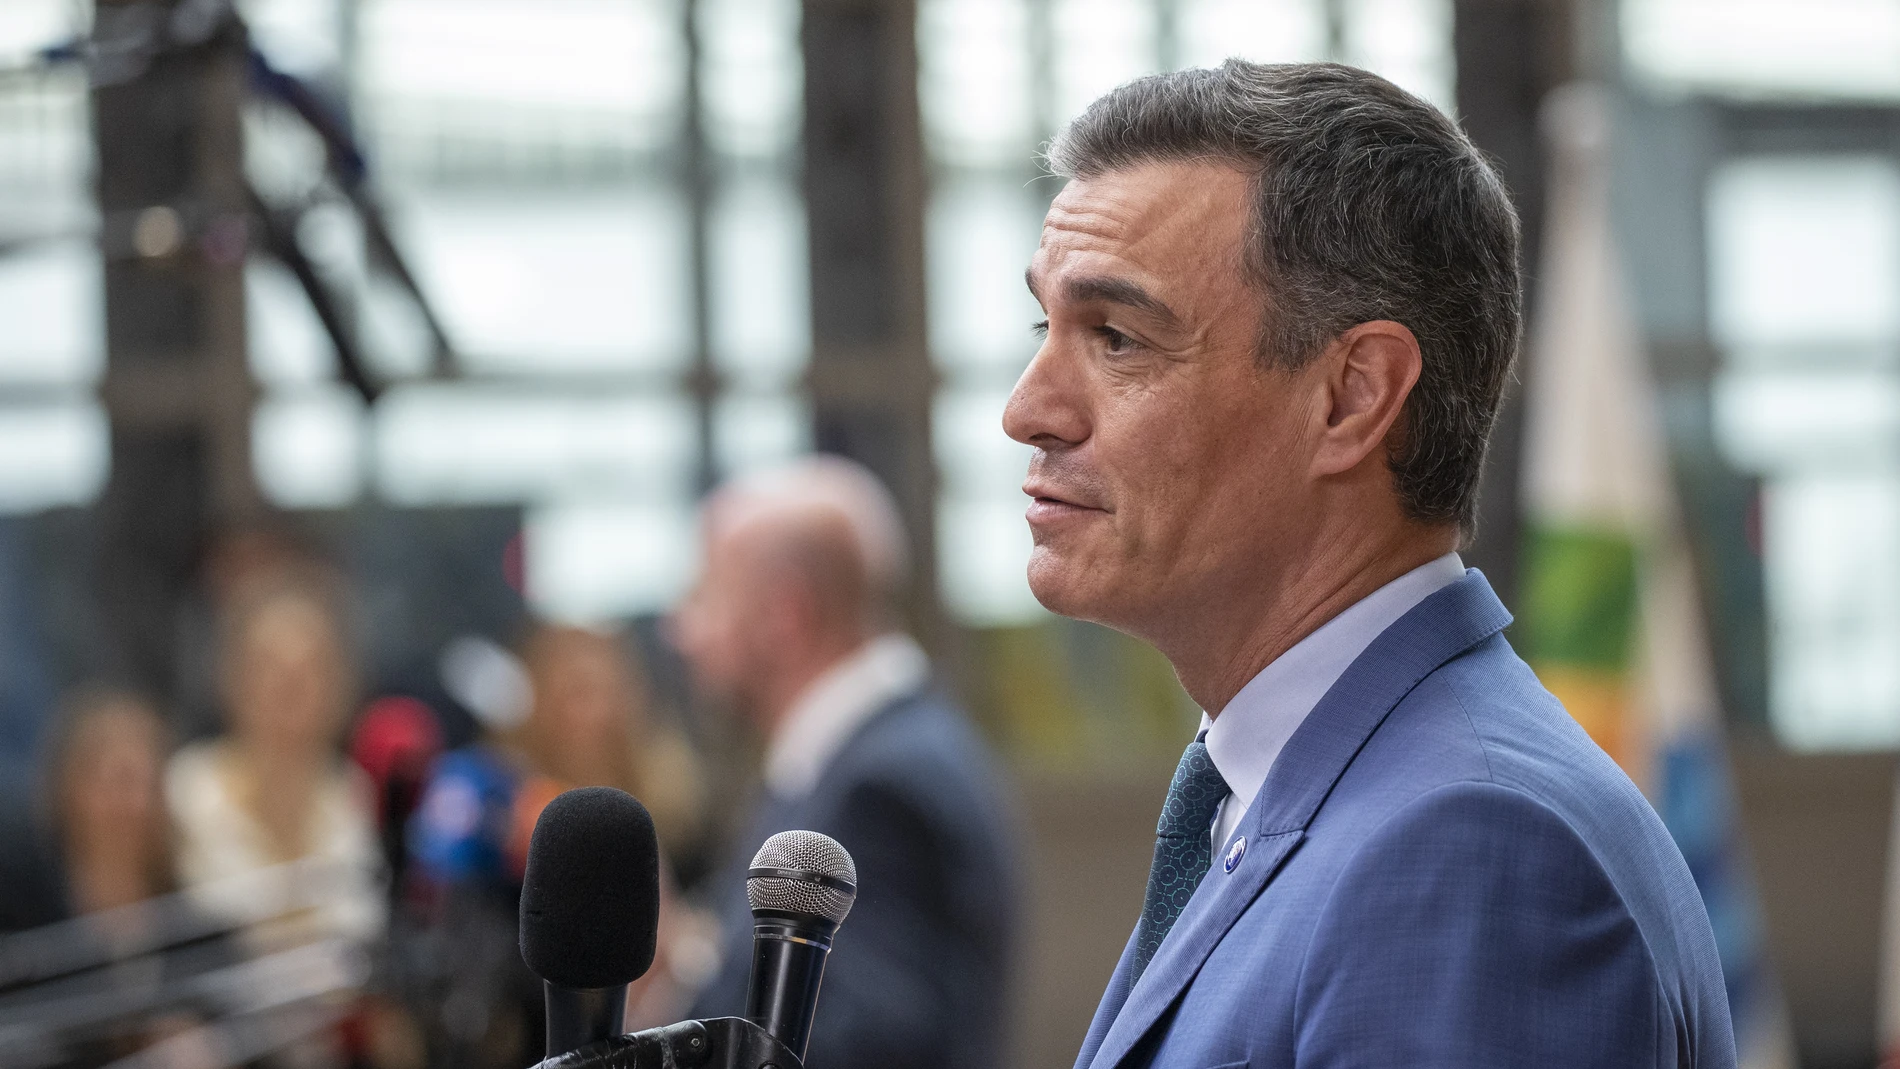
(1183, 848)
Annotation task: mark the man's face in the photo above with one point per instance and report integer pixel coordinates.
(724, 626)
(1166, 461)
(709, 626)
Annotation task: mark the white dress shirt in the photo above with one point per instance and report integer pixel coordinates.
(835, 705)
(1247, 736)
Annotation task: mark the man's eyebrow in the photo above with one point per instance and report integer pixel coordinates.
(1106, 289)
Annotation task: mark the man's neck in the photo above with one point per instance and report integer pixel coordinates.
(1227, 649)
(797, 675)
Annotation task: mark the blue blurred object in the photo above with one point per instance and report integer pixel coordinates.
(26, 691)
(1697, 804)
(459, 834)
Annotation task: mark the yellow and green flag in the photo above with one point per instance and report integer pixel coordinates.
(1609, 614)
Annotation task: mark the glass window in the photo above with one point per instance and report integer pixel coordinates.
(287, 345)
(1841, 48)
(51, 303)
(1791, 419)
(591, 560)
(1805, 251)
(751, 76)
(305, 36)
(308, 447)
(982, 233)
(1098, 45)
(752, 431)
(1408, 41)
(975, 82)
(556, 279)
(980, 527)
(52, 454)
(1832, 546)
(528, 155)
(460, 76)
(1213, 30)
(1804, 299)
(54, 447)
(761, 302)
(501, 443)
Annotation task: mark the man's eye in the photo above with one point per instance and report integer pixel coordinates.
(1115, 340)
(1040, 328)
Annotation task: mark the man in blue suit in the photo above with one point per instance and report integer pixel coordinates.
(790, 621)
(1281, 304)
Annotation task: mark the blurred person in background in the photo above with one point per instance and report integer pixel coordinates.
(106, 845)
(107, 758)
(791, 621)
(274, 788)
(589, 722)
(105, 835)
(593, 725)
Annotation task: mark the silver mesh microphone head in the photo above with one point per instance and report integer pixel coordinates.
(805, 873)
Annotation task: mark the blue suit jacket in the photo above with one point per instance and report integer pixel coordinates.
(918, 974)
(1441, 870)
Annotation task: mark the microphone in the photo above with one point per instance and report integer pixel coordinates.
(590, 910)
(801, 885)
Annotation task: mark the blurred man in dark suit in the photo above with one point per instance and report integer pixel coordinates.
(790, 621)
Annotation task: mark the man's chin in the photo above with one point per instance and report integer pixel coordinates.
(1066, 586)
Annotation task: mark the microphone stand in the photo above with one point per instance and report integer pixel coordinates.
(718, 1043)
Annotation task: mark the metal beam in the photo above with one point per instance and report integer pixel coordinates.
(871, 377)
(165, 116)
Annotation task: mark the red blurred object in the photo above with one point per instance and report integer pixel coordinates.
(394, 743)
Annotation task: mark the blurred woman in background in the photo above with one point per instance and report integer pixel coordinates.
(105, 812)
(591, 724)
(106, 847)
(273, 788)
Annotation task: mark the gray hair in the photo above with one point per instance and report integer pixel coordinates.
(1368, 203)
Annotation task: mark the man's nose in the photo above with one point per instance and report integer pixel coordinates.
(1047, 407)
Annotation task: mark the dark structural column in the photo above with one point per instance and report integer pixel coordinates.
(165, 113)
(864, 194)
(1510, 53)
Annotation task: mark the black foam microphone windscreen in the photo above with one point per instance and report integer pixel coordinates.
(590, 901)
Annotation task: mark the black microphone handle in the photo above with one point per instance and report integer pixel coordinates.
(578, 1016)
(788, 963)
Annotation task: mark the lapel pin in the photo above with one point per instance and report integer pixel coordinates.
(1234, 854)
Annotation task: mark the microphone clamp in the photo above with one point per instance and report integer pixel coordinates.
(719, 1043)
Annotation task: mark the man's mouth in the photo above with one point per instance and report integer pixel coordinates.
(1049, 502)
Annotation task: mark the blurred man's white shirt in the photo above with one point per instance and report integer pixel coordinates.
(836, 704)
(1255, 726)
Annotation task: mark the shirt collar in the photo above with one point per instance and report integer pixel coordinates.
(1247, 736)
(835, 705)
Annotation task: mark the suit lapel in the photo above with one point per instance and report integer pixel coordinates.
(1110, 1006)
(1439, 628)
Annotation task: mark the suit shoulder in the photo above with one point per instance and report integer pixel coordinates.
(922, 761)
(927, 742)
(1528, 740)
(1536, 752)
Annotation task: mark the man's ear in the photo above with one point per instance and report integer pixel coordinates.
(1369, 371)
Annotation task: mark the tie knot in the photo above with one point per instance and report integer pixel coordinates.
(1194, 796)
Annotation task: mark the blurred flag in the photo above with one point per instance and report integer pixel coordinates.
(1610, 617)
